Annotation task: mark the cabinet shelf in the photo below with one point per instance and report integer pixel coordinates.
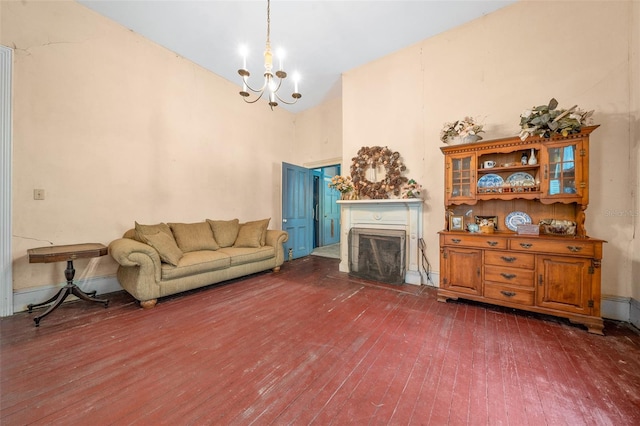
(532, 195)
(509, 169)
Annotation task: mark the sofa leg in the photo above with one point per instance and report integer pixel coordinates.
(276, 269)
(148, 304)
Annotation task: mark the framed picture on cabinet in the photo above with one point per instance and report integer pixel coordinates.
(456, 223)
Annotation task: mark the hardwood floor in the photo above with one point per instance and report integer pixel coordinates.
(312, 345)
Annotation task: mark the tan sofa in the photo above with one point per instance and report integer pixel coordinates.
(165, 259)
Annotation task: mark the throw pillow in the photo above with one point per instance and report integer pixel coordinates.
(141, 230)
(263, 224)
(252, 234)
(194, 236)
(225, 232)
(165, 246)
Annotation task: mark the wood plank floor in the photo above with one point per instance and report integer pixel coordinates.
(310, 345)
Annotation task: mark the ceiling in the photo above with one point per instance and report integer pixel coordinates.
(321, 38)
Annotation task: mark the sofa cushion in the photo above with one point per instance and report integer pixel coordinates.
(242, 255)
(196, 262)
(165, 245)
(194, 236)
(225, 231)
(252, 234)
(141, 230)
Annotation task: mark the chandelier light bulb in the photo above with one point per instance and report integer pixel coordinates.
(244, 52)
(296, 80)
(280, 56)
(272, 86)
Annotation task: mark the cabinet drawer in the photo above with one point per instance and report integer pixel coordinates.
(475, 241)
(508, 294)
(513, 276)
(506, 258)
(572, 247)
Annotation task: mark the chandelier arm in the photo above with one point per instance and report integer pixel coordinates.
(255, 100)
(260, 90)
(286, 102)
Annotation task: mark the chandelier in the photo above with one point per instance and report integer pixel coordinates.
(271, 84)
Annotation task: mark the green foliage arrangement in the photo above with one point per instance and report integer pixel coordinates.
(545, 120)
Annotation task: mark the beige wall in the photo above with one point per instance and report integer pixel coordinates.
(493, 68)
(634, 118)
(318, 139)
(116, 128)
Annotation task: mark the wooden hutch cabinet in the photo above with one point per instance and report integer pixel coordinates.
(553, 269)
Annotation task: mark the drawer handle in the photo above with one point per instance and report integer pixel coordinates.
(508, 293)
(492, 243)
(508, 259)
(456, 240)
(574, 249)
(525, 245)
(508, 276)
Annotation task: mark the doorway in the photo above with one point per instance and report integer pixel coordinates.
(310, 213)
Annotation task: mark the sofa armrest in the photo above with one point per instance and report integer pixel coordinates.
(276, 238)
(131, 253)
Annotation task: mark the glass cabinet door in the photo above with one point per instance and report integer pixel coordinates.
(461, 177)
(563, 171)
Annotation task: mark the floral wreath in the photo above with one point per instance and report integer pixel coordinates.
(373, 157)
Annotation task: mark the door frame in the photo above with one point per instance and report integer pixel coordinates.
(319, 171)
(6, 153)
(318, 165)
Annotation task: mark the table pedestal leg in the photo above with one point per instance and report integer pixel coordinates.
(68, 289)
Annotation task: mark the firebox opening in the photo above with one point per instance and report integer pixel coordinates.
(377, 254)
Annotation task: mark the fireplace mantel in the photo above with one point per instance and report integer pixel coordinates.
(388, 201)
(404, 214)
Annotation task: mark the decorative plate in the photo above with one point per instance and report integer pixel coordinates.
(521, 178)
(489, 181)
(514, 219)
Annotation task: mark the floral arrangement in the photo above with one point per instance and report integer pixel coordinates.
(341, 183)
(544, 120)
(411, 189)
(462, 128)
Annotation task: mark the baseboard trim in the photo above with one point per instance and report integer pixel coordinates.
(634, 312)
(22, 298)
(615, 307)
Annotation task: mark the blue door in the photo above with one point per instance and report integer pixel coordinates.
(297, 210)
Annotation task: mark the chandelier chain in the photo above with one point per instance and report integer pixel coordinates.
(268, 21)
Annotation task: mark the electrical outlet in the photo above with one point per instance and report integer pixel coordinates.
(38, 194)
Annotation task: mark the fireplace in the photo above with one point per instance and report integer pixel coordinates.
(403, 215)
(377, 254)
